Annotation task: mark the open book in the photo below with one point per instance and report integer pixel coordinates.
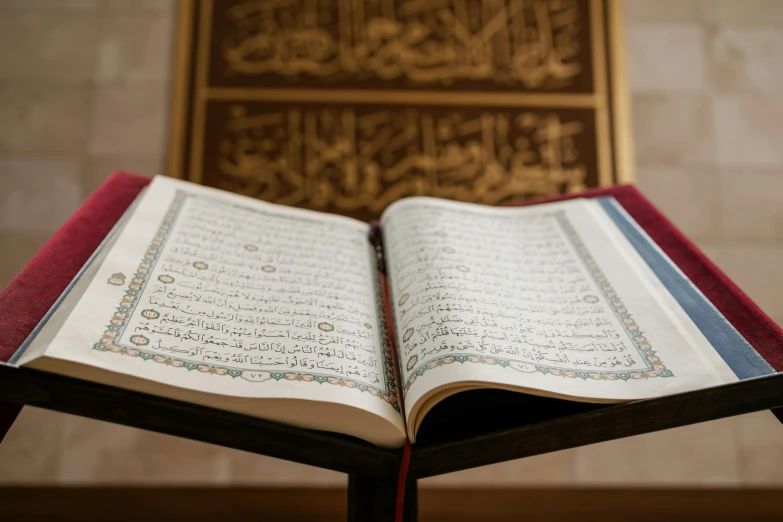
(286, 314)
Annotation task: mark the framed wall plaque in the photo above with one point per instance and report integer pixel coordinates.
(348, 105)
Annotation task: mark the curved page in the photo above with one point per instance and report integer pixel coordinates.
(225, 295)
(550, 300)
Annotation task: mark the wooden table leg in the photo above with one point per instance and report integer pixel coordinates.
(374, 500)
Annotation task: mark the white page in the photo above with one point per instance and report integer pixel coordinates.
(550, 298)
(224, 294)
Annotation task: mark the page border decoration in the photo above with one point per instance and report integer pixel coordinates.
(127, 306)
(655, 367)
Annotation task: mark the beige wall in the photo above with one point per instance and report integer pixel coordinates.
(83, 91)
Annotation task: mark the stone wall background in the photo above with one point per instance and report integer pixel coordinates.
(84, 88)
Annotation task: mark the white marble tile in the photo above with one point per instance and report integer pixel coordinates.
(746, 59)
(50, 6)
(103, 453)
(98, 168)
(60, 48)
(689, 196)
(755, 267)
(129, 120)
(672, 129)
(752, 204)
(133, 48)
(702, 454)
(552, 469)
(737, 12)
(749, 131)
(92, 448)
(165, 7)
(37, 195)
(259, 470)
(658, 11)
(665, 58)
(18, 250)
(38, 117)
(760, 438)
(712, 248)
(31, 449)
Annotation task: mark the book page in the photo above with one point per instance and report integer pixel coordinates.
(546, 298)
(224, 294)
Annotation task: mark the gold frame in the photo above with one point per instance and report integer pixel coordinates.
(625, 159)
(611, 100)
(179, 90)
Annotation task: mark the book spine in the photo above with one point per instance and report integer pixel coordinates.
(376, 240)
(385, 303)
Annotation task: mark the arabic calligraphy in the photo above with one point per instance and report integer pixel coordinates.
(210, 300)
(515, 290)
(532, 44)
(362, 159)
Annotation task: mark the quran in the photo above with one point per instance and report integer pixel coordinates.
(328, 323)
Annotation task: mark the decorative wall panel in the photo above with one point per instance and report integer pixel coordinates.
(348, 105)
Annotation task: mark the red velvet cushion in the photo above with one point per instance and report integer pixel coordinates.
(34, 290)
(29, 296)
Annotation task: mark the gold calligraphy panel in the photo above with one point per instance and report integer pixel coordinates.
(356, 160)
(480, 45)
(348, 105)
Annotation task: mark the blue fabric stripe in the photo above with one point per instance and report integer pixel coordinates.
(743, 360)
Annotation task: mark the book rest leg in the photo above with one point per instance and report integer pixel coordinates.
(372, 499)
(8, 414)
